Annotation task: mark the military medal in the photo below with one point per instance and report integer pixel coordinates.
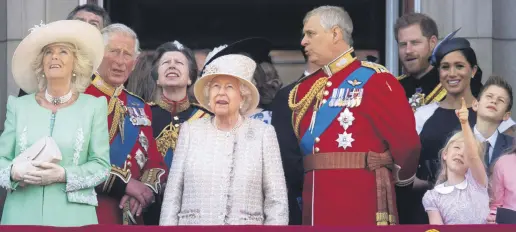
(417, 99)
(140, 158)
(355, 96)
(345, 140)
(333, 97)
(132, 116)
(144, 141)
(359, 97)
(342, 96)
(146, 120)
(346, 119)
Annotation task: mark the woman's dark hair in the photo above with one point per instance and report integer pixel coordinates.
(140, 81)
(266, 80)
(187, 52)
(176, 47)
(463, 46)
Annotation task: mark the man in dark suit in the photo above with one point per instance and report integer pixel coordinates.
(289, 147)
(493, 108)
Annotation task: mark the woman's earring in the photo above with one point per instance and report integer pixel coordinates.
(43, 75)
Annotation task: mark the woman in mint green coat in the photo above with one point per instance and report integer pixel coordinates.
(55, 63)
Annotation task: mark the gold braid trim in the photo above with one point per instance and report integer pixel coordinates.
(437, 94)
(116, 105)
(167, 139)
(300, 108)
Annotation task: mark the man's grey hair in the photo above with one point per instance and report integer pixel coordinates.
(332, 16)
(123, 29)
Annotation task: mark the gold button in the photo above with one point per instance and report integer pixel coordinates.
(177, 125)
(316, 149)
(326, 93)
(324, 101)
(176, 118)
(317, 139)
(328, 84)
(128, 156)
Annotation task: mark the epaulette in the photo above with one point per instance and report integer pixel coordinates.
(401, 77)
(376, 67)
(134, 95)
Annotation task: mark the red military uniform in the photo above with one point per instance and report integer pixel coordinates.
(355, 128)
(133, 151)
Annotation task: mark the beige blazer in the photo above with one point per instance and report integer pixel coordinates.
(224, 178)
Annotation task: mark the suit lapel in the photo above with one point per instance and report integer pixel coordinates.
(503, 142)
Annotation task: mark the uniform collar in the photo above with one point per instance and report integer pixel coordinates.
(173, 107)
(340, 62)
(105, 87)
(442, 189)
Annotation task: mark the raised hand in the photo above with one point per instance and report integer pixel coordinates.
(463, 112)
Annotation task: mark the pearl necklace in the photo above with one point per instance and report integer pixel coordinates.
(58, 100)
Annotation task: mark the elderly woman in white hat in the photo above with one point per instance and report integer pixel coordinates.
(227, 168)
(55, 144)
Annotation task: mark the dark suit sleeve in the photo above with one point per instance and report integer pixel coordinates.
(290, 153)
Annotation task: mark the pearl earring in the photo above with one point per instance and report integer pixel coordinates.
(43, 75)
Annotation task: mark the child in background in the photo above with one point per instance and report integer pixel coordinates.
(493, 107)
(460, 196)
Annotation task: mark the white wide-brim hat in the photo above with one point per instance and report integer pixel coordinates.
(237, 66)
(84, 36)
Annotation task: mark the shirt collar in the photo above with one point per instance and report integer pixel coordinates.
(491, 140)
(442, 189)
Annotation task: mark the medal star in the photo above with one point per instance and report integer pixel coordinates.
(345, 140)
(346, 119)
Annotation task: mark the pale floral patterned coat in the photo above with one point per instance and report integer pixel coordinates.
(80, 131)
(224, 178)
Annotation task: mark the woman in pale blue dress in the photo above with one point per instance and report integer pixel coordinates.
(54, 64)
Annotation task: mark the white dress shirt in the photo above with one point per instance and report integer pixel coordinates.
(491, 140)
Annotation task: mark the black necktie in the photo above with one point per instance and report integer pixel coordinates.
(487, 145)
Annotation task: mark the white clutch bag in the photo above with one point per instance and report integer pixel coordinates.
(43, 150)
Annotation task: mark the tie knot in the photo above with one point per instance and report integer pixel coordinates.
(487, 144)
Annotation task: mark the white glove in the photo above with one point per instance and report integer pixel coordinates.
(20, 168)
(50, 173)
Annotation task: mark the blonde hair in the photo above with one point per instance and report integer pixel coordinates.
(82, 68)
(456, 137)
